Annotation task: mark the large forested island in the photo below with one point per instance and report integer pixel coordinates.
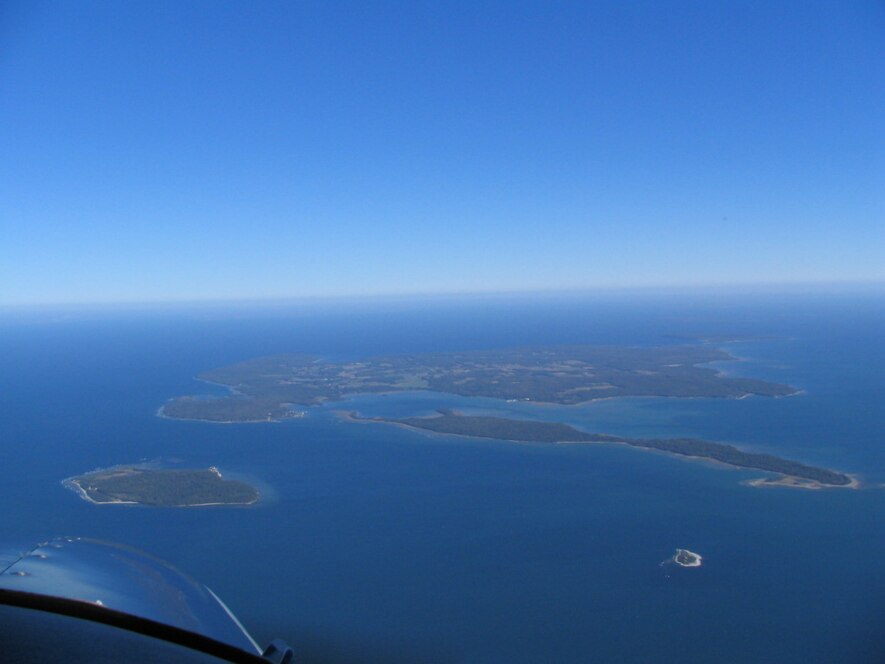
(448, 422)
(265, 388)
(129, 485)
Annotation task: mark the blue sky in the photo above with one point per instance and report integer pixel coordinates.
(156, 151)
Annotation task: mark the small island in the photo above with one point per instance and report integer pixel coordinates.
(686, 558)
(792, 473)
(157, 487)
(265, 389)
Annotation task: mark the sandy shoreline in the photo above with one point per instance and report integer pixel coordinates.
(791, 482)
(72, 484)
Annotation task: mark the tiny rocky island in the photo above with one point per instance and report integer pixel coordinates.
(686, 558)
(265, 388)
(792, 473)
(157, 487)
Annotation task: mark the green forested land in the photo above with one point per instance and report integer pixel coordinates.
(737, 457)
(503, 428)
(568, 375)
(165, 488)
(224, 409)
(549, 432)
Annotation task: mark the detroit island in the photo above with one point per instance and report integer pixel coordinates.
(159, 487)
(268, 389)
(449, 422)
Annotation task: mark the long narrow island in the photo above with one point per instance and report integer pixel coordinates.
(449, 422)
(134, 485)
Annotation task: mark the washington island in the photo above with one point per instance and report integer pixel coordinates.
(266, 388)
(134, 485)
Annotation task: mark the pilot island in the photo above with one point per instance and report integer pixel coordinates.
(269, 389)
(686, 558)
(158, 487)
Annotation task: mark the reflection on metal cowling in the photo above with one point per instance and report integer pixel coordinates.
(123, 587)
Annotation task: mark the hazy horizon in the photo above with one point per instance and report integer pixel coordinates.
(626, 293)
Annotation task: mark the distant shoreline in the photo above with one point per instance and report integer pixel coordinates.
(261, 389)
(160, 412)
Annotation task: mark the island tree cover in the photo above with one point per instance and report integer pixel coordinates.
(164, 487)
(551, 432)
(263, 388)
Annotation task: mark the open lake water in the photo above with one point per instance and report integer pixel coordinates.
(378, 544)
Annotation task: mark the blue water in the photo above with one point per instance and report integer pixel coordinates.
(380, 544)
